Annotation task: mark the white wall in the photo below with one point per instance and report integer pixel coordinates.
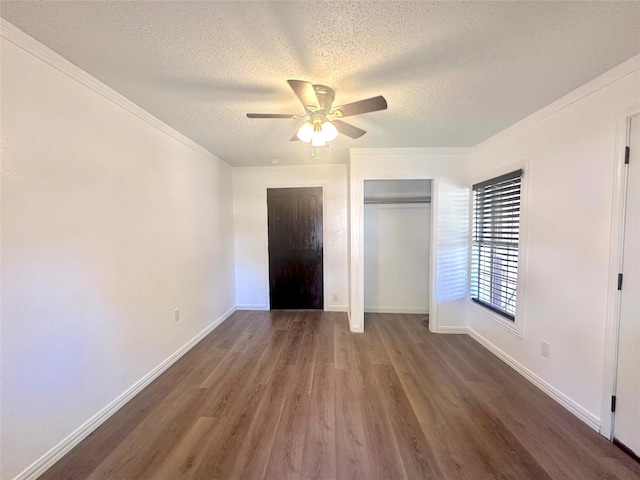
(250, 225)
(450, 225)
(108, 224)
(570, 153)
(396, 258)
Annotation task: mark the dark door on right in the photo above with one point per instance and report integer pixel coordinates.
(295, 248)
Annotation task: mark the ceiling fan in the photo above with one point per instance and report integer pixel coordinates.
(324, 124)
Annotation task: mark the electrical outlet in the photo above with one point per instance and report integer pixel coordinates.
(544, 349)
(336, 297)
(176, 314)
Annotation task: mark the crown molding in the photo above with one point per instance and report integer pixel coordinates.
(331, 167)
(411, 151)
(19, 38)
(607, 78)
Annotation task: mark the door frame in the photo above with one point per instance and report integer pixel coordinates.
(356, 267)
(622, 132)
(297, 184)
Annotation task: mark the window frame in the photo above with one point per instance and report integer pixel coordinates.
(480, 310)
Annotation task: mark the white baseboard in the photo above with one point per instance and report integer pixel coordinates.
(453, 330)
(251, 306)
(579, 411)
(45, 462)
(418, 311)
(336, 308)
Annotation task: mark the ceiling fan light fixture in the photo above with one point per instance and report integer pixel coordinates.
(318, 131)
(329, 131)
(306, 132)
(318, 140)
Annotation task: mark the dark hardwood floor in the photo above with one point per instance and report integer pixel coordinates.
(277, 395)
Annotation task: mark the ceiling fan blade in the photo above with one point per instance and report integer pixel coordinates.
(295, 138)
(372, 104)
(270, 115)
(306, 93)
(348, 129)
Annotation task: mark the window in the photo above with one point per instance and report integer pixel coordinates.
(496, 232)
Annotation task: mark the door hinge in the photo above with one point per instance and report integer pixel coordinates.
(613, 403)
(626, 155)
(619, 281)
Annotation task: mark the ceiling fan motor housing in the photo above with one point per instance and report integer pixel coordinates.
(325, 96)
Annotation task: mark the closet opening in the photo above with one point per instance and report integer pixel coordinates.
(397, 247)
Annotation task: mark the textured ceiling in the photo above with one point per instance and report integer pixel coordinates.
(453, 73)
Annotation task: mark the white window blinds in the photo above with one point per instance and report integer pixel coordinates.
(496, 232)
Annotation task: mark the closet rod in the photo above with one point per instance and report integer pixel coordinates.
(397, 200)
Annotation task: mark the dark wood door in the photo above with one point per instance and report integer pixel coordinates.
(295, 248)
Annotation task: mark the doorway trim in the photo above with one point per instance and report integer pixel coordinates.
(356, 196)
(615, 264)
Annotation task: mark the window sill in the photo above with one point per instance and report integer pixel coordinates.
(512, 327)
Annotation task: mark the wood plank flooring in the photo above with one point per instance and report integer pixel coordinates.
(294, 395)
